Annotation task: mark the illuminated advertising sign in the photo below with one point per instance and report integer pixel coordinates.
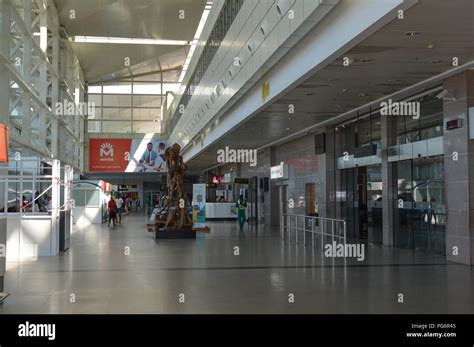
(127, 155)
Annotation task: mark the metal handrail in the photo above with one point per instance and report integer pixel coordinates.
(321, 222)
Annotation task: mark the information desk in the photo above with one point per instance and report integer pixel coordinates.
(223, 210)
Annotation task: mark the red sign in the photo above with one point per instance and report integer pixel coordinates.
(109, 155)
(218, 179)
(4, 142)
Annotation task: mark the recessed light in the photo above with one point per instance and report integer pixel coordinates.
(431, 45)
(278, 9)
(411, 33)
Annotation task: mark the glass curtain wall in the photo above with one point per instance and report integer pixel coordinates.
(128, 108)
(429, 124)
(358, 199)
(419, 206)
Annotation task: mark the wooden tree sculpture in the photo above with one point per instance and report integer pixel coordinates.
(178, 217)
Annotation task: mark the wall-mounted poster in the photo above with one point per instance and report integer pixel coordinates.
(199, 205)
(148, 156)
(127, 155)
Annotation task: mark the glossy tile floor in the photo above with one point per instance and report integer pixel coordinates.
(214, 280)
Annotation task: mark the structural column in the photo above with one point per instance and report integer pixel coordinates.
(327, 164)
(5, 22)
(459, 168)
(5, 34)
(55, 205)
(389, 187)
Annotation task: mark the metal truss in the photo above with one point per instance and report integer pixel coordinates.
(39, 69)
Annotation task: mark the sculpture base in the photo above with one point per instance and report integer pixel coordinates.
(162, 233)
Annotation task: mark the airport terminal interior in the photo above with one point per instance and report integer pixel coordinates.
(236, 156)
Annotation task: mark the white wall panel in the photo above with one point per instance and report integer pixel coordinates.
(349, 23)
(267, 49)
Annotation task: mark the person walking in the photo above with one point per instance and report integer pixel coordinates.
(112, 205)
(241, 205)
(119, 204)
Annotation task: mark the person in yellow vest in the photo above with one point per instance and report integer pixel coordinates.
(241, 205)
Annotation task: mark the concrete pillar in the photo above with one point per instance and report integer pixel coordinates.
(273, 160)
(459, 174)
(389, 187)
(55, 205)
(5, 23)
(326, 193)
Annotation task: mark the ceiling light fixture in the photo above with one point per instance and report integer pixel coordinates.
(128, 41)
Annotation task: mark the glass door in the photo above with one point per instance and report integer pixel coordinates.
(419, 214)
(428, 204)
(374, 204)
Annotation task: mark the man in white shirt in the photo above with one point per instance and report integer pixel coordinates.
(119, 202)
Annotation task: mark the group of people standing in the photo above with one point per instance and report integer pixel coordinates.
(42, 203)
(117, 205)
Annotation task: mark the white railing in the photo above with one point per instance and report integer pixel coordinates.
(324, 227)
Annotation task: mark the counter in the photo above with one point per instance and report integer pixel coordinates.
(223, 210)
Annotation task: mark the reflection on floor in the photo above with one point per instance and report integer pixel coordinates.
(99, 277)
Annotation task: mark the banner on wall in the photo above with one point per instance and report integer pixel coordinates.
(199, 205)
(127, 155)
(4, 143)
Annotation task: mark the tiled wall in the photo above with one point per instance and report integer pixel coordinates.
(304, 167)
(459, 174)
